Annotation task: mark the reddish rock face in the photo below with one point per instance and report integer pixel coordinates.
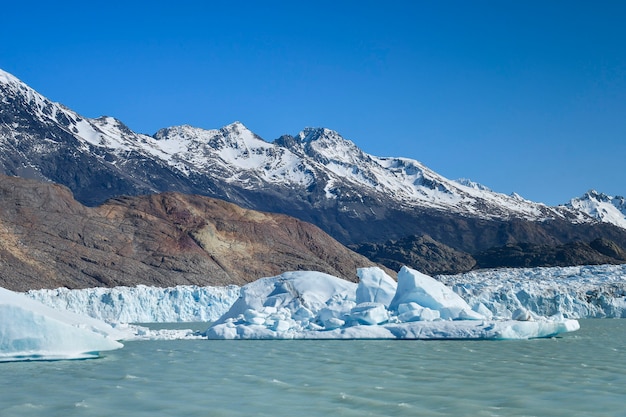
(49, 240)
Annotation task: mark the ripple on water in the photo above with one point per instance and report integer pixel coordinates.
(579, 374)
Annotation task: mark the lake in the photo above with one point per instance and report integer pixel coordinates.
(579, 374)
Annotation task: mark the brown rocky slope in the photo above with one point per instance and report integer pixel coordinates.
(49, 240)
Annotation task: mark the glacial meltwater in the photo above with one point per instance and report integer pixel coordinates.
(579, 374)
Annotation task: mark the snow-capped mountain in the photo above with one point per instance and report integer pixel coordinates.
(95, 158)
(316, 157)
(232, 153)
(602, 207)
(316, 175)
(407, 182)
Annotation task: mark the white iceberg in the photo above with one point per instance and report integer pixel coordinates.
(375, 286)
(313, 305)
(30, 330)
(417, 288)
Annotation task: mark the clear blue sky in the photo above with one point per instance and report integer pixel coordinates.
(522, 96)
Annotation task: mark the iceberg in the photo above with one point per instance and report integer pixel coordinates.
(415, 288)
(30, 330)
(314, 305)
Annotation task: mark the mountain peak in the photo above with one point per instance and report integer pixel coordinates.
(324, 140)
(601, 207)
(329, 147)
(237, 128)
(312, 134)
(595, 195)
(236, 125)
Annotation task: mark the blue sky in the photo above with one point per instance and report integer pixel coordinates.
(525, 96)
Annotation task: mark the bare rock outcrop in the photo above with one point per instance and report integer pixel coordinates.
(49, 240)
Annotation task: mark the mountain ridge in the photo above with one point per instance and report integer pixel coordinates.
(292, 160)
(402, 179)
(317, 176)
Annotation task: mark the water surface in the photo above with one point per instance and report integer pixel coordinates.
(579, 374)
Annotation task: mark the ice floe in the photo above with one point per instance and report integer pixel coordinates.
(30, 330)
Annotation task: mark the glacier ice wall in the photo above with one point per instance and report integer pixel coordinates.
(575, 292)
(143, 304)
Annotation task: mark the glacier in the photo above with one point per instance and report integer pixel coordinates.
(520, 297)
(142, 304)
(30, 330)
(597, 291)
(580, 292)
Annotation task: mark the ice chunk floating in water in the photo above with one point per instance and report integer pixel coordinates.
(314, 305)
(31, 331)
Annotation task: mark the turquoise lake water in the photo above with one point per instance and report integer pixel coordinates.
(579, 374)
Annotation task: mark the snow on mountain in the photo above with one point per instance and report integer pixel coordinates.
(403, 180)
(602, 207)
(315, 159)
(103, 132)
(472, 184)
(108, 132)
(30, 96)
(234, 153)
(41, 108)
